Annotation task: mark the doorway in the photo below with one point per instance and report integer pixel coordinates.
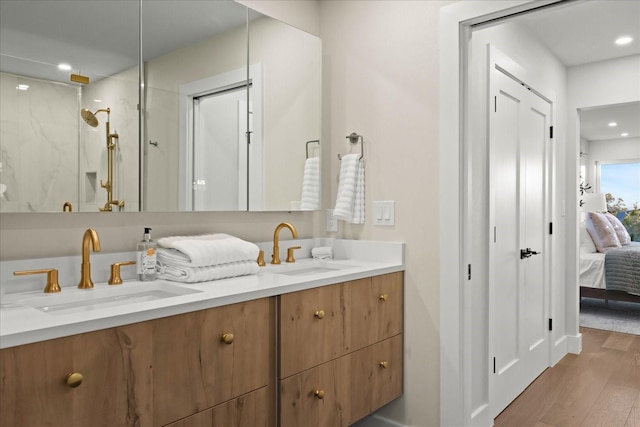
(465, 396)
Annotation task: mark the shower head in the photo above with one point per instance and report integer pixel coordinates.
(90, 118)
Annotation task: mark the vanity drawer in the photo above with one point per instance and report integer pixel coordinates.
(195, 369)
(249, 410)
(314, 327)
(376, 376)
(115, 388)
(376, 309)
(345, 390)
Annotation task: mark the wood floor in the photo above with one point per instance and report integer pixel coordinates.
(599, 387)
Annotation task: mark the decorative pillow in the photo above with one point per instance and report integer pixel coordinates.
(601, 231)
(586, 242)
(621, 231)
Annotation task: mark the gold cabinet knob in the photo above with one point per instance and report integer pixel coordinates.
(319, 394)
(383, 297)
(319, 314)
(227, 338)
(384, 364)
(74, 379)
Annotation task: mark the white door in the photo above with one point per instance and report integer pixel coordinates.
(220, 151)
(519, 137)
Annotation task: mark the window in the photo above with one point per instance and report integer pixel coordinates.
(621, 180)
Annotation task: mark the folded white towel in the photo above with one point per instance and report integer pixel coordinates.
(205, 250)
(350, 198)
(310, 199)
(322, 252)
(205, 274)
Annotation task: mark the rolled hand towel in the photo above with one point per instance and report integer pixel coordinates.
(205, 274)
(322, 252)
(205, 250)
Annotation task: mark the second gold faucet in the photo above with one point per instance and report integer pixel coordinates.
(275, 258)
(85, 268)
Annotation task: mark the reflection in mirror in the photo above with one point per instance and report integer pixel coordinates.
(49, 158)
(196, 111)
(290, 61)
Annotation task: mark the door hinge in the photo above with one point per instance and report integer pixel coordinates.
(469, 272)
(495, 104)
(551, 132)
(494, 365)
(550, 228)
(551, 324)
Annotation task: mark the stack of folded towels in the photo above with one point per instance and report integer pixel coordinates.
(191, 259)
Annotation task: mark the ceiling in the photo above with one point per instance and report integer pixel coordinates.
(94, 37)
(582, 32)
(99, 38)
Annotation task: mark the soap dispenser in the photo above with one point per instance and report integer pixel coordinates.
(146, 257)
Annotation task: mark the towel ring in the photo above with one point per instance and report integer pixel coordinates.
(310, 142)
(353, 139)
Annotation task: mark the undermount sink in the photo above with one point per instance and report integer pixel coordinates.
(100, 297)
(312, 267)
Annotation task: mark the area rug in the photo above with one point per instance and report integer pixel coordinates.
(617, 316)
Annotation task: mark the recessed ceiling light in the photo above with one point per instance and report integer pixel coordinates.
(621, 41)
(624, 134)
(64, 67)
(613, 124)
(22, 87)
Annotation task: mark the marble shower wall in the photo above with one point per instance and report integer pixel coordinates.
(38, 144)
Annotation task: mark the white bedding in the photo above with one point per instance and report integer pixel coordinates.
(592, 270)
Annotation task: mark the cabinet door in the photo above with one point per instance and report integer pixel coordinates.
(317, 397)
(249, 410)
(194, 369)
(376, 309)
(375, 375)
(34, 390)
(314, 327)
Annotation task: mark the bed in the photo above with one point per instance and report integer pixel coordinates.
(613, 275)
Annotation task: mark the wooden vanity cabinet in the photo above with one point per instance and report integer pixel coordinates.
(195, 369)
(363, 369)
(149, 374)
(115, 389)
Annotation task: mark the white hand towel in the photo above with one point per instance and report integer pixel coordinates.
(322, 252)
(310, 199)
(350, 199)
(205, 274)
(205, 250)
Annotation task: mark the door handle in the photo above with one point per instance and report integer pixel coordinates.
(526, 253)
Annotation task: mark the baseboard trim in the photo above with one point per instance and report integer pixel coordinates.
(378, 421)
(574, 343)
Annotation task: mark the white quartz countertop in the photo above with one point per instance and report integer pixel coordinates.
(27, 317)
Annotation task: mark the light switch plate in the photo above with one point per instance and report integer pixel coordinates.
(384, 212)
(332, 223)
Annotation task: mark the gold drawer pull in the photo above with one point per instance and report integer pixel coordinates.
(383, 297)
(227, 338)
(384, 364)
(319, 394)
(319, 314)
(74, 379)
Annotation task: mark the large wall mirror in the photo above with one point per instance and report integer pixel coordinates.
(189, 106)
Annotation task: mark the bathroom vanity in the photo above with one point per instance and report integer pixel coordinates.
(313, 343)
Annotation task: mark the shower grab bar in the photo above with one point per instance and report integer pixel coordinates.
(309, 142)
(354, 138)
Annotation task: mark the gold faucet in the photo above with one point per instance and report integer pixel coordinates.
(275, 258)
(85, 269)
